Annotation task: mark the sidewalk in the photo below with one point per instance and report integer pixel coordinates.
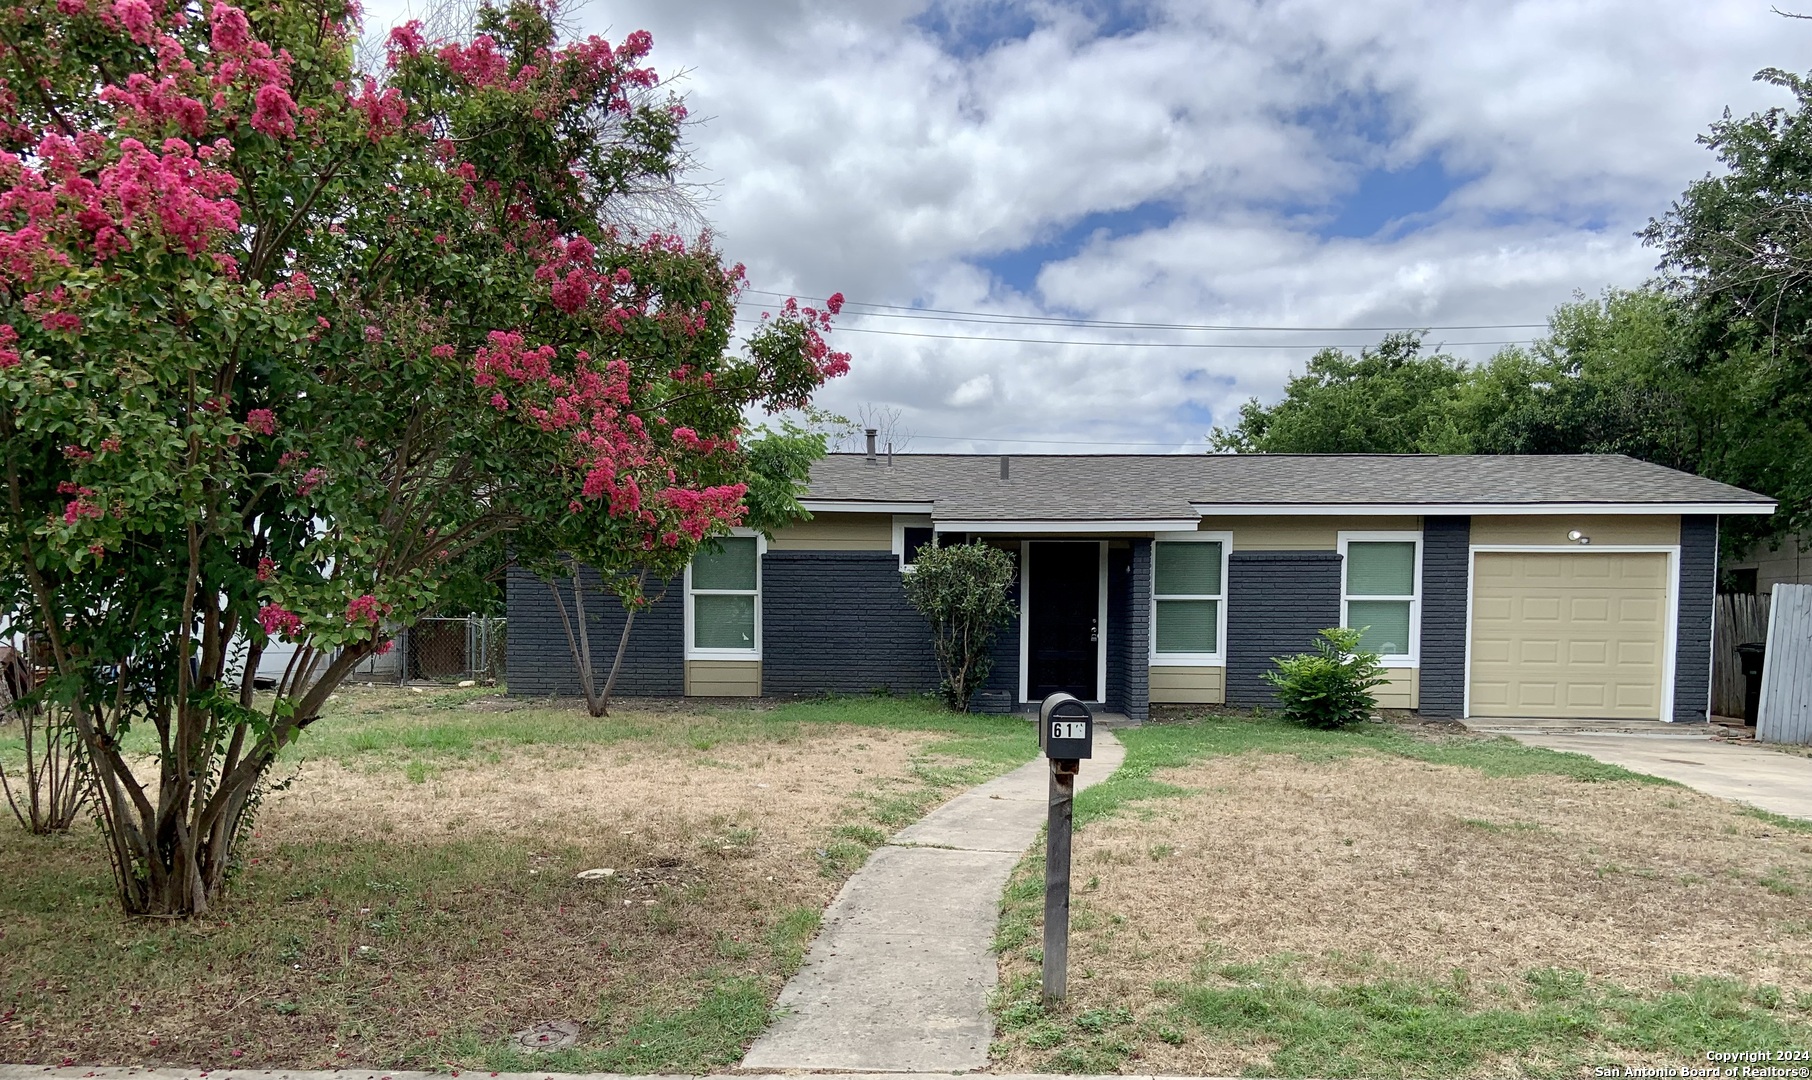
(899, 977)
(1686, 754)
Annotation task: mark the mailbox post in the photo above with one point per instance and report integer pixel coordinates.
(1066, 734)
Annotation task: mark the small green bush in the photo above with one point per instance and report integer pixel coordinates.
(964, 591)
(1330, 687)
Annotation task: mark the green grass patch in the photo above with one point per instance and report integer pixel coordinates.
(1779, 821)
(1558, 1023)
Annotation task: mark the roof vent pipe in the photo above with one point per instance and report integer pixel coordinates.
(871, 445)
(890, 453)
(1003, 466)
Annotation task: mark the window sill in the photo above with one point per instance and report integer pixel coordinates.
(1189, 660)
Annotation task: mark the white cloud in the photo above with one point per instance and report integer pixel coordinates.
(850, 151)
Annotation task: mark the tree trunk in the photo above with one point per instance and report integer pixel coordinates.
(616, 665)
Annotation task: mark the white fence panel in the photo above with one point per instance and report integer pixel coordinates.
(1785, 715)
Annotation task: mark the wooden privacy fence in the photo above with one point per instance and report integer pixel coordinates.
(1740, 617)
(1786, 715)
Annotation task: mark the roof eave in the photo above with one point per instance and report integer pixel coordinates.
(1484, 508)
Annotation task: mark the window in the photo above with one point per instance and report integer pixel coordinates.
(917, 538)
(723, 599)
(911, 534)
(1381, 592)
(1745, 581)
(1188, 599)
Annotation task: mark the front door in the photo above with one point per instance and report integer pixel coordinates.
(1063, 611)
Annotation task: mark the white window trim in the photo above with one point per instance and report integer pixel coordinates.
(1413, 658)
(902, 522)
(1172, 659)
(693, 653)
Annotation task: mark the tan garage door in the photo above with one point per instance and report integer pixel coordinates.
(1568, 635)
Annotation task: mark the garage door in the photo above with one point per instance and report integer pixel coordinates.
(1569, 635)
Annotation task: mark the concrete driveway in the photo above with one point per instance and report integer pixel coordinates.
(1767, 779)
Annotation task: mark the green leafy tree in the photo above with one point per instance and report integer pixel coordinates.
(1330, 687)
(1389, 400)
(964, 591)
(1737, 249)
(281, 341)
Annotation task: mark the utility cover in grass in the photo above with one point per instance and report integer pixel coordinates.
(548, 1036)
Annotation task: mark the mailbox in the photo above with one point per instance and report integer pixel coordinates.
(1066, 729)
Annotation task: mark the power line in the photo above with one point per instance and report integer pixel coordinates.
(897, 311)
(1144, 344)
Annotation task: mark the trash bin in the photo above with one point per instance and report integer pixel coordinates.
(1750, 655)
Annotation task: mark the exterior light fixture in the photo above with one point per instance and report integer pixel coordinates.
(1578, 537)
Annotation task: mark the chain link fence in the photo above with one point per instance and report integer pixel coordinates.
(443, 649)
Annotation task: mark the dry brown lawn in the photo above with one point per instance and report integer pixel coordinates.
(1334, 872)
(405, 906)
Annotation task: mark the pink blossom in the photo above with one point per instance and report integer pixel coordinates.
(136, 17)
(266, 568)
(374, 334)
(835, 303)
(275, 114)
(311, 480)
(277, 620)
(263, 421)
(405, 40)
(365, 609)
(229, 32)
(61, 322)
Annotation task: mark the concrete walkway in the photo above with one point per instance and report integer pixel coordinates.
(899, 976)
(1687, 754)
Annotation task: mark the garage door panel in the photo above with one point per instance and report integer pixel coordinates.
(1568, 634)
(1589, 609)
(1538, 652)
(1580, 653)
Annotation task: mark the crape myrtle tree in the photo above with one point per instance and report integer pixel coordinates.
(776, 463)
(280, 341)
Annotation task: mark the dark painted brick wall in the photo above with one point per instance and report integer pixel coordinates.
(1445, 555)
(541, 661)
(1135, 643)
(838, 622)
(1276, 602)
(1698, 588)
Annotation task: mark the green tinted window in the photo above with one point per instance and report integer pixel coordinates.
(723, 622)
(730, 566)
(1383, 625)
(1381, 569)
(1187, 569)
(1188, 626)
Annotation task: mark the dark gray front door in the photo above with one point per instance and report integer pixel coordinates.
(1063, 606)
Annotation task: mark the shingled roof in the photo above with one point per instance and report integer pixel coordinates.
(1179, 488)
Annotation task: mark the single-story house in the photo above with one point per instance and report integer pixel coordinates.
(1533, 586)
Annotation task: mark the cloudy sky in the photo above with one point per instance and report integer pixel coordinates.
(1320, 164)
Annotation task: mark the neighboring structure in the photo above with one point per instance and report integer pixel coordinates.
(1761, 568)
(1562, 586)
